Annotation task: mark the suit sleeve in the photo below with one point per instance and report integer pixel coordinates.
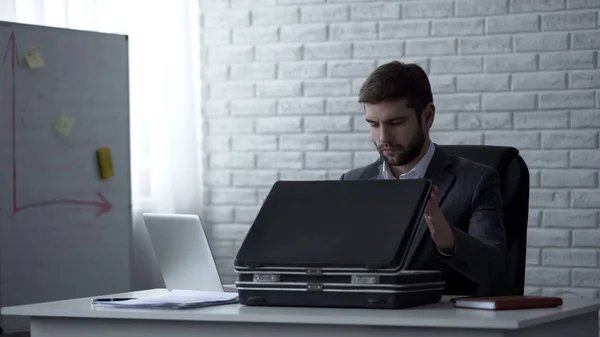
(480, 254)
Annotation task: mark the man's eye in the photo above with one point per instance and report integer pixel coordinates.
(374, 125)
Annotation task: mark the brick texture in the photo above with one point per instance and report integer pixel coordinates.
(282, 78)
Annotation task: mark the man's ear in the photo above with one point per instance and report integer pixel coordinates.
(428, 115)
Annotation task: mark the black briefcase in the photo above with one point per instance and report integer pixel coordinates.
(337, 244)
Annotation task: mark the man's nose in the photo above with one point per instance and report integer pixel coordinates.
(384, 134)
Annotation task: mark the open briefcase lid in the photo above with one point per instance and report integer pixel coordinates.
(335, 225)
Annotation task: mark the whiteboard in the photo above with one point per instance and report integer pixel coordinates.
(64, 231)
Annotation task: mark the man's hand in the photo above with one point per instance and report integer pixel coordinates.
(441, 233)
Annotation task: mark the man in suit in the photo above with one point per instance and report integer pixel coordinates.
(463, 232)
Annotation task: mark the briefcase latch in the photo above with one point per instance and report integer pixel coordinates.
(314, 287)
(266, 278)
(365, 279)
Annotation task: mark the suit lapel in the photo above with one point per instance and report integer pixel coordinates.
(439, 172)
(372, 171)
(440, 175)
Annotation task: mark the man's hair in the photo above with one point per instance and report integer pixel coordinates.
(397, 80)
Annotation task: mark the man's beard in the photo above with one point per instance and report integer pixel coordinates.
(402, 156)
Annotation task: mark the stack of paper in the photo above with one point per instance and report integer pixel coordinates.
(176, 299)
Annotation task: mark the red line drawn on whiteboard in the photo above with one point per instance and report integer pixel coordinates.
(12, 46)
(103, 204)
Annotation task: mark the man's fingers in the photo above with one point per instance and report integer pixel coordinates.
(429, 222)
(428, 207)
(434, 192)
(432, 195)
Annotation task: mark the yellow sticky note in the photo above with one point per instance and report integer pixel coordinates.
(34, 59)
(105, 163)
(64, 124)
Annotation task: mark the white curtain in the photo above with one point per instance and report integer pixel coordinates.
(166, 128)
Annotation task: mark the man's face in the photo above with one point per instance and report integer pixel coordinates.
(397, 132)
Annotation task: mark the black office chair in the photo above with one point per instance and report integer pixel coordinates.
(514, 177)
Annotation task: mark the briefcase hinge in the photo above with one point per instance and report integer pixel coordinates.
(316, 272)
(314, 287)
(266, 278)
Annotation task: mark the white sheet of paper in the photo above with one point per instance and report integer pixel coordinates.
(177, 299)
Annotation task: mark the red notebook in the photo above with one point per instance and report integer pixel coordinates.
(507, 302)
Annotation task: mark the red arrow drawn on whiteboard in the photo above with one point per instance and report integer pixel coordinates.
(103, 204)
(12, 46)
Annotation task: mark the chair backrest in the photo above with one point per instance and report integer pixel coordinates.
(514, 176)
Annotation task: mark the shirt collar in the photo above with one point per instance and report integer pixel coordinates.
(417, 172)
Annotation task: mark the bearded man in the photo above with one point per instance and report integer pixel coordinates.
(465, 236)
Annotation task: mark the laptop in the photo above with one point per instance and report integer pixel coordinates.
(183, 253)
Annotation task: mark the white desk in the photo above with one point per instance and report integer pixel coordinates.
(78, 318)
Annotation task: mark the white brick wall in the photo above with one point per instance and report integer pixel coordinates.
(281, 79)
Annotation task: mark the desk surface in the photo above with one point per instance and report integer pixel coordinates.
(441, 315)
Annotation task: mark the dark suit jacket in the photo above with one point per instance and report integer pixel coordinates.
(471, 200)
